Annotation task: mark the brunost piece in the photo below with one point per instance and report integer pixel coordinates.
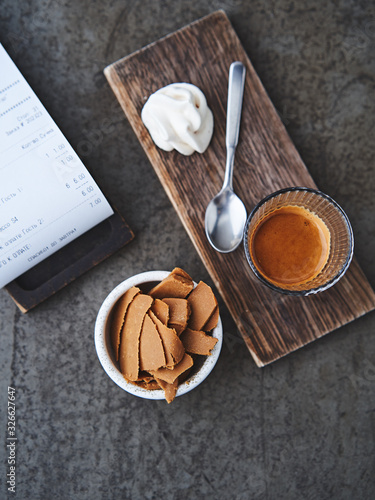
(159, 335)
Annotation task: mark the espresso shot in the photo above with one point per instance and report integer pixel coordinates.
(298, 241)
(290, 246)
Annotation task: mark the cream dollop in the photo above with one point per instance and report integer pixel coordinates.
(177, 117)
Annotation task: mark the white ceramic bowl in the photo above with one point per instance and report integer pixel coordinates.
(105, 352)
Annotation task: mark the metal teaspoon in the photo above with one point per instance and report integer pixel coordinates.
(226, 214)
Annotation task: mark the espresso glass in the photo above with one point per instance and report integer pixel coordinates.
(337, 222)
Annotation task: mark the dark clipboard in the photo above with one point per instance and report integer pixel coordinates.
(61, 268)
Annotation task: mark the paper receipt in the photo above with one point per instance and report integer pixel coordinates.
(47, 196)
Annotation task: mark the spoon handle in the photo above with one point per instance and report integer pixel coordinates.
(236, 85)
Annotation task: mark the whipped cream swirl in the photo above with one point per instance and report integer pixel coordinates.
(177, 117)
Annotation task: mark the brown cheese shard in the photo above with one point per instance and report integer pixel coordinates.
(181, 272)
(179, 312)
(213, 321)
(148, 383)
(170, 390)
(173, 347)
(129, 346)
(144, 377)
(161, 310)
(151, 351)
(119, 317)
(174, 285)
(171, 375)
(197, 342)
(202, 302)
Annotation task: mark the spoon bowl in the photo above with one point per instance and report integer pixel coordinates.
(226, 216)
(225, 219)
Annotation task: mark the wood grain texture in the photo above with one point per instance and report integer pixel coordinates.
(271, 324)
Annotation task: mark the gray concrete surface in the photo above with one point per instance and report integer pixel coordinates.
(302, 428)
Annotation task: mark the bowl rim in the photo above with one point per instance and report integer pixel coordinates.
(104, 351)
(308, 291)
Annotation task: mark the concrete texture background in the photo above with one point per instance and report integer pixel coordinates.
(303, 427)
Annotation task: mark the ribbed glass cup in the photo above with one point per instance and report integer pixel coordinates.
(337, 222)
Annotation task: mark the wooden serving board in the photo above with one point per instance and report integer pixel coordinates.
(271, 324)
